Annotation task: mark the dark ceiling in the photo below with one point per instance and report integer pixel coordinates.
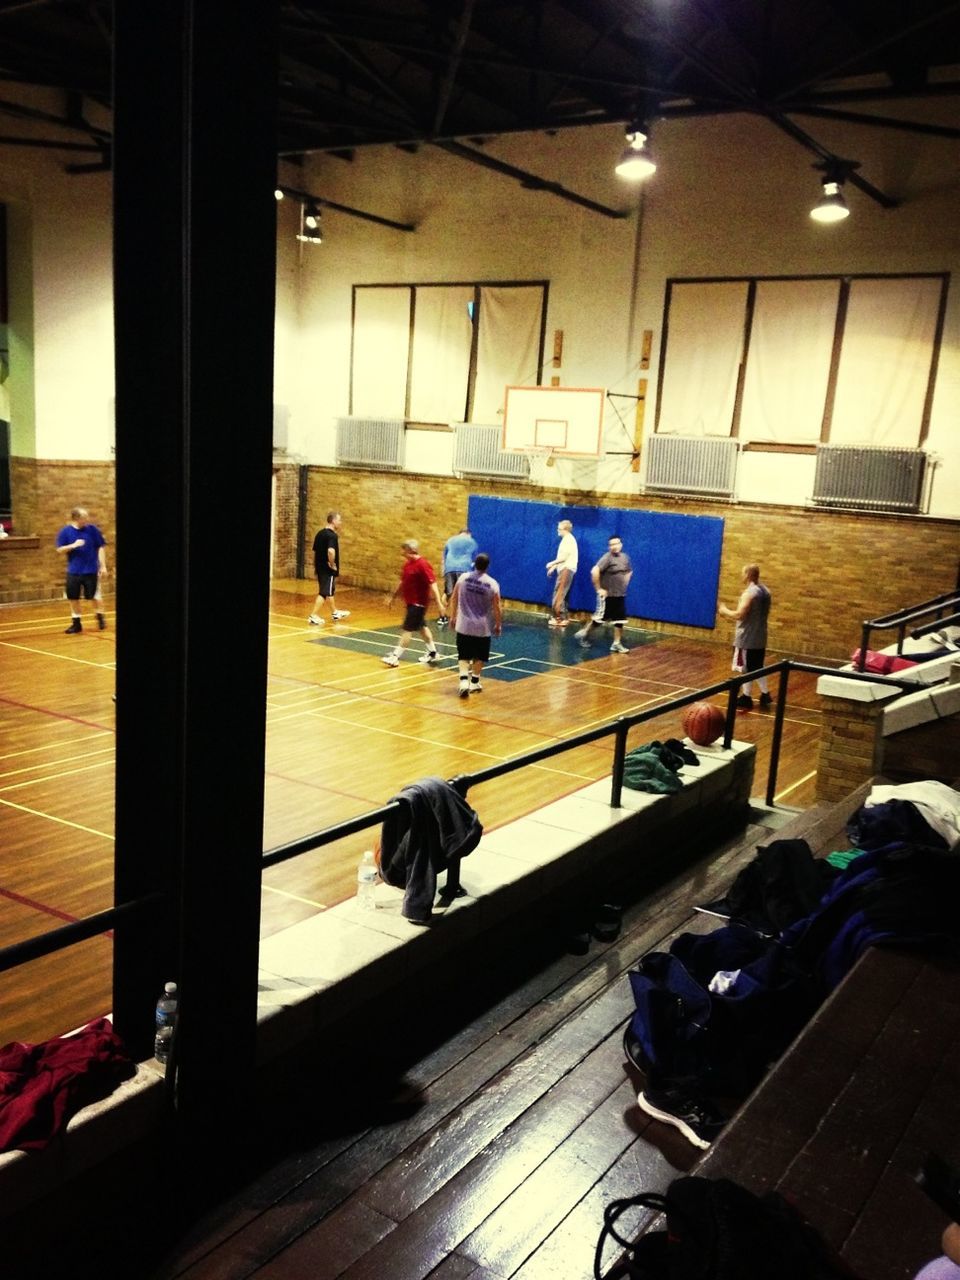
(407, 72)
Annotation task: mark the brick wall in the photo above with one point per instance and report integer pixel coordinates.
(287, 507)
(827, 571)
(43, 493)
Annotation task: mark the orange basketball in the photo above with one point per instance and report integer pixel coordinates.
(703, 723)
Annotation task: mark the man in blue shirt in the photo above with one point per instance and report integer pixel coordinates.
(459, 553)
(83, 545)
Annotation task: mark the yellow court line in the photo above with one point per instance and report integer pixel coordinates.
(64, 822)
(62, 657)
(53, 777)
(309, 902)
(55, 746)
(786, 791)
(447, 746)
(49, 764)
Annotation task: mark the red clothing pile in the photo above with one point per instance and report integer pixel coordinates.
(43, 1085)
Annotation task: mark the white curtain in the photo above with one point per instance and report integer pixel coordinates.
(508, 343)
(788, 361)
(442, 333)
(885, 362)
(381, 346)
(703, 354)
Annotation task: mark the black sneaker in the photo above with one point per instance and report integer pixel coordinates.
(745, 702)
(101, 622)
(634, 1051)
(75, 626)
(698, 1121)
(765, 700)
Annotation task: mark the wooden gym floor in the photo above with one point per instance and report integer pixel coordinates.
(344, 734)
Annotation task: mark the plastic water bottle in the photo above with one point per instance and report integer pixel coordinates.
(166, 1020)
(367, 881)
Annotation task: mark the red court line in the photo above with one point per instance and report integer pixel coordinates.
(37, 906)
(57, 715)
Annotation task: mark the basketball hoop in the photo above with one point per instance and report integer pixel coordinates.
(540, 459)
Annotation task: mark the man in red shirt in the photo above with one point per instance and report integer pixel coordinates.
(417, 584)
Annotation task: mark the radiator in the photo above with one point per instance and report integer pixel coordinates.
(691, 464)
(477, 452)
(370, 442)
(870, 479)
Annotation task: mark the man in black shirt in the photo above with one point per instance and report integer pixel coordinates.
(326, 561)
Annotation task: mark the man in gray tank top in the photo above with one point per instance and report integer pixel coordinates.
(750, 635)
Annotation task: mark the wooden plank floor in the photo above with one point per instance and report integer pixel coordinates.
(490, 1156)
(344, 734)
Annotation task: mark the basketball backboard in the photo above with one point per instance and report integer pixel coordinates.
(566, 422)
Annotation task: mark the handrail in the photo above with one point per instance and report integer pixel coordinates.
(903, 617)
(80, 930)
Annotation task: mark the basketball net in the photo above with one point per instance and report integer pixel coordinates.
(540, 460)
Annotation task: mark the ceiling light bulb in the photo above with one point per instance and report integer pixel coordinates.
(831, 207)
(635, 163)
(278, 195)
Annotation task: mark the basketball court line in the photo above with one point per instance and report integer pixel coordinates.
(319, 786)
(430, 742)
(63, 822)
(62, 657)
(54, 777)
(54, 746)
(57, 715)
(284, 893)
(786, 791)
(49, 764)
(37, 906)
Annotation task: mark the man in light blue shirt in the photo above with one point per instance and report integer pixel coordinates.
(459, 553)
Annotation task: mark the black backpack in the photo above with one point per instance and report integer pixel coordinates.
(718, 1230)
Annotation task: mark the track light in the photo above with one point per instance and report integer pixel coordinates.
(310, 230)
(831, 207)
(635, 163)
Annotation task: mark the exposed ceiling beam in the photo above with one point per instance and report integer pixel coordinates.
(324, 203)
(529, 180)
(453, 63)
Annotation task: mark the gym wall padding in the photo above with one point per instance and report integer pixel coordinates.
(676, 558)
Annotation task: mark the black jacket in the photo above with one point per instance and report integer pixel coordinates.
(432, 826)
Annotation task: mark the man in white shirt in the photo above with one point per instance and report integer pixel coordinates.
(565, 566)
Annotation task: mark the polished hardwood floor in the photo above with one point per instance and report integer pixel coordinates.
(344, 734)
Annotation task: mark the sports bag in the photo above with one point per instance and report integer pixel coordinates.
(718, 1230)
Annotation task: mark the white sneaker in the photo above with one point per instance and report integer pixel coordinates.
(428, 659)
(315, 621)
(464, 688)
(581, 634)
(391, 659)
(617, 647)
(476, 686)
(339, 614)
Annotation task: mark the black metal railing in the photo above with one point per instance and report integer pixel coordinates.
(943, 608)
(81, 930)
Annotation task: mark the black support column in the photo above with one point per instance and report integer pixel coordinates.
(194, 264)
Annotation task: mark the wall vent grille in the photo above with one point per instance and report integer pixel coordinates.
(691, 464)
(370, 442)
(477, 452)
(869, 478)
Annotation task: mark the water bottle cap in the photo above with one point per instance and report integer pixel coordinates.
(170, 988)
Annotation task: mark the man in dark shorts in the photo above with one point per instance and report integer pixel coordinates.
(476, 613)
(417, 584)
(83, 545)
(326, 562)
(611, 576)
(750, 634)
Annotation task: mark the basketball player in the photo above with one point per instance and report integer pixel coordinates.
(476, 613)
(83, 545)
(417, 584)
(565, 566)
(750, 634)
(326, 562)
(611, 576)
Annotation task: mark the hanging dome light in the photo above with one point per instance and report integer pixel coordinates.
(635, 163)
(831, 207)
(310, 231)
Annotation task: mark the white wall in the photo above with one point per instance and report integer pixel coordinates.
(731, 197)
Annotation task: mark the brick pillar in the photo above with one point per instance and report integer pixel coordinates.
(851, 735)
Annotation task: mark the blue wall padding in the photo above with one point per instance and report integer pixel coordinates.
(676, 559)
